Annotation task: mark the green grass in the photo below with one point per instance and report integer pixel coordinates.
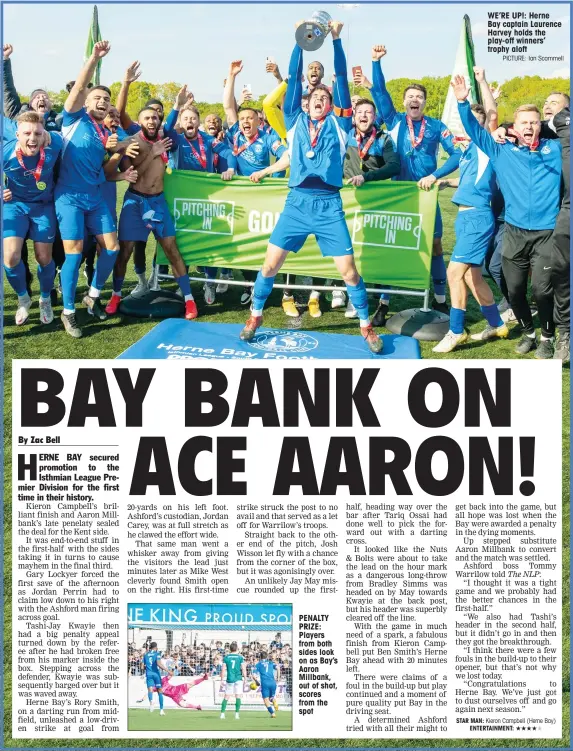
(109, 339)
(192, 721)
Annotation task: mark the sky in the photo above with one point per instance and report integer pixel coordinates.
(194, 43)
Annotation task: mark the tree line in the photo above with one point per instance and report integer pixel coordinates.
(516, 91)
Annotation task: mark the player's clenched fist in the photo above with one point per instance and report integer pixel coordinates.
(6, 195)
(335, 28)
(101, 49)
(112, 142)
(378, 51)
(7, 51)
(235, 68)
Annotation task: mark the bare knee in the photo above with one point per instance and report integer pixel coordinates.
(43, 253)
(456, 272)
(437, 249)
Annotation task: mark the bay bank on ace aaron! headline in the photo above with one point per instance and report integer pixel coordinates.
(339, 397)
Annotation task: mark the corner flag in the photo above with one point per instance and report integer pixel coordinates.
(463, 66)
(93, 37)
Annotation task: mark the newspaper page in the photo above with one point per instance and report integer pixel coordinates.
(286, 369)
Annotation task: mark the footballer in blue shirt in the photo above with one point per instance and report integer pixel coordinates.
(474, 227)
(317, 148)
(417, 139)
(28, 210)
(80, 201)
(152, 664)
(268, 674)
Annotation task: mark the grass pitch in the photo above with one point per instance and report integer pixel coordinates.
(191, 720)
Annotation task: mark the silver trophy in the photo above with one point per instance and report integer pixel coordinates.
(311, 34)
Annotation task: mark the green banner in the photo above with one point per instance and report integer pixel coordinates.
(228, 224)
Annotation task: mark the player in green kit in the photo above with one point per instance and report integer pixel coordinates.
(233, 676)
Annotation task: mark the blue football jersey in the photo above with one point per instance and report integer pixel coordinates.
(83, 153)
(22, 182)
(477, 179)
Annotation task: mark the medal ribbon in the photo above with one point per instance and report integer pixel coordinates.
(200, 157)
(314, 130)
(413, 140)
(164, 157)
(101, 131)
(362, 152)
(517, 135)
(38, 171)
(239, 150)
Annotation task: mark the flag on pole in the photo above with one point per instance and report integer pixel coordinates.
(463, 66)
(93, 37)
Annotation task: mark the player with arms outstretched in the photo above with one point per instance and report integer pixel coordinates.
(417, 139)
(268, 673)
(317, 146)
(233, 676)
(153, 664)
(179, 692)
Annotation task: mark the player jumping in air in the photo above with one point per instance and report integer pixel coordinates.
(269, 674)
(153, 664)
(233, 676)
(317, 146)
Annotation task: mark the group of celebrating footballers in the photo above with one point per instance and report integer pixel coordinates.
(234, 682)
(65, 184)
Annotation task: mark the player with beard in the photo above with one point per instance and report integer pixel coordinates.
(145, 209)
(417, 139)
(317, 146)
(370, 157)
(193, 150)
(130, 128)
(28, 210)
(80, 204)
(314, 76)
(39, 100)
(530, 214)
(252, 148)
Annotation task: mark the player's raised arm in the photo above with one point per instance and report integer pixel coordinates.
(293, 97)
(77, 96)
(343, 105)
(272, 108)
(382, 98)
(479, 135)
(488, 99)
(183, 97)
(12, 102)
(131, 75)
(229, 102)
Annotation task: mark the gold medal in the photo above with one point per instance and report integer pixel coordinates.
(168, 170)
(41, 185)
